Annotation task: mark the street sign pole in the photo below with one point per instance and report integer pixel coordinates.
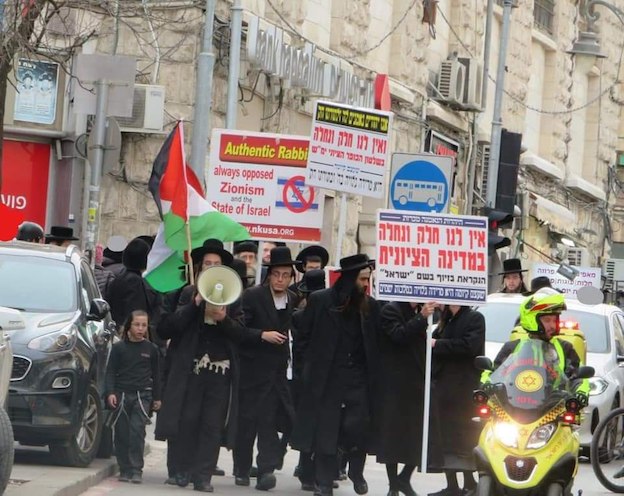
(93, 213)
(342, 221)
(427, 405)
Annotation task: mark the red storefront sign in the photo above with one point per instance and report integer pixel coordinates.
(25, 176)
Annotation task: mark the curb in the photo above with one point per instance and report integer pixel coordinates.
(68, 481)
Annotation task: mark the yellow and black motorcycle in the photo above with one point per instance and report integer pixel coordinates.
(529, 444)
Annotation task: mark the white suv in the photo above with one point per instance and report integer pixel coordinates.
(9, 320)
(603, 327)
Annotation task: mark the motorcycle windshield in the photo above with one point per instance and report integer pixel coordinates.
(531, 380)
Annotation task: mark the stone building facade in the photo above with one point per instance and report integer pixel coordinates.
(568, 110)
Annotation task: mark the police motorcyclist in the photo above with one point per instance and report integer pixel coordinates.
(539, 319)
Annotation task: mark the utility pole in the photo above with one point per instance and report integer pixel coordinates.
(236, 22)
(203, 96)
(93, 213)
(497, 123)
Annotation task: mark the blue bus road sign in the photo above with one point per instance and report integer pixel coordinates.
(420, 182)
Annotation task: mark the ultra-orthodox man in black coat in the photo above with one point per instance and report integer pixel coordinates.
(190, 380)
(338, 336)
(264, 391)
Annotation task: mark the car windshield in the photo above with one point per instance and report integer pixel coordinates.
(36, 284)
(500, 319)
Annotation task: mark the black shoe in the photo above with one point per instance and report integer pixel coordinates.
(392, 492)
(241, 481)
(335, 485)
(342, 475)
(360, 486)
(182, 480)
(266, 482)
(123, 477)
(323, 491)
(218, 471)
(203, 487)
(307, 487)
(404, 486)
(253, 473)
(136, 479)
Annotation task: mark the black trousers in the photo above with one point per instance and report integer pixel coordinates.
(257, 420)
(202, 423)
(130, 430)
(326, 467)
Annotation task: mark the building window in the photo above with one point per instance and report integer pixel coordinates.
(543, 15)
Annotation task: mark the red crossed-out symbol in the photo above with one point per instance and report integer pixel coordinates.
(306, 203)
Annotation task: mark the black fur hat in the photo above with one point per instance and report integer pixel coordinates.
(135, 255)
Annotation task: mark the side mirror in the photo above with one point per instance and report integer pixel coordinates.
(483, 363)
(98, 310)
(585, 372)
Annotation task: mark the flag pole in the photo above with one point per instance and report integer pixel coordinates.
(189, 260)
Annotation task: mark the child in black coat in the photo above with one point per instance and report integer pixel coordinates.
(132, 390)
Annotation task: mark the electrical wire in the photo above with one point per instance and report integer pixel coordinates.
(359, 53)
(513, 97)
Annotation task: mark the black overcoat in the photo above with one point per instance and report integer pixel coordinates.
(317, 340)
(402, 347)
(264, 365)
(183, 327)
(455, 378)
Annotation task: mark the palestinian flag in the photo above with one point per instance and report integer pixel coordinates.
(187, 218)
(165, 267)
(180, 200)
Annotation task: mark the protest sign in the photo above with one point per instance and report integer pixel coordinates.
(587, 276)
(349, 149)
(425, 257)
(258, 179)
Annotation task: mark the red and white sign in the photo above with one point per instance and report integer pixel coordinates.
(431, 257)
(349, 149)
(25, 173)
(258, 179)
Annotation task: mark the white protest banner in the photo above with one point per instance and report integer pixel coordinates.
(426, 257)
(349, 149)
(258, 179)
(587, 276)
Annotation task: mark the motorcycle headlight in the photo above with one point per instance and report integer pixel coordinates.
(57, 341)
(540, 436)
(597, 385)
(506, 434)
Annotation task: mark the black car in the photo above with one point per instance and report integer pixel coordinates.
(60, 356)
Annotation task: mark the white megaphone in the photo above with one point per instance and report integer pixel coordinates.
(220, 286)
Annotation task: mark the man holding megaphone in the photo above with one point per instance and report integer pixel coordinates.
(200, 403)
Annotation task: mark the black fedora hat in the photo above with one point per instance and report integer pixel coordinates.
(356, 262)
(313, 280)
(538, 283)
(512, 266)
(212, 246)
(246, 246)
(61, 233)
(313, 251)
(280, 257)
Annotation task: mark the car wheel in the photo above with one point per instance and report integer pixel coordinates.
(80, 450)
(6, 449)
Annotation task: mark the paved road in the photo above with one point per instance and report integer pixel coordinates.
(155, 474)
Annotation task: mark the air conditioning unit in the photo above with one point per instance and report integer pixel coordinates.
(473, 84)
(452, 76)
(481, 171)
(148, 109)
(613, 271)
(578, 257)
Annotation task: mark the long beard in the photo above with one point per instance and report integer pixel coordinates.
(356, 301)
